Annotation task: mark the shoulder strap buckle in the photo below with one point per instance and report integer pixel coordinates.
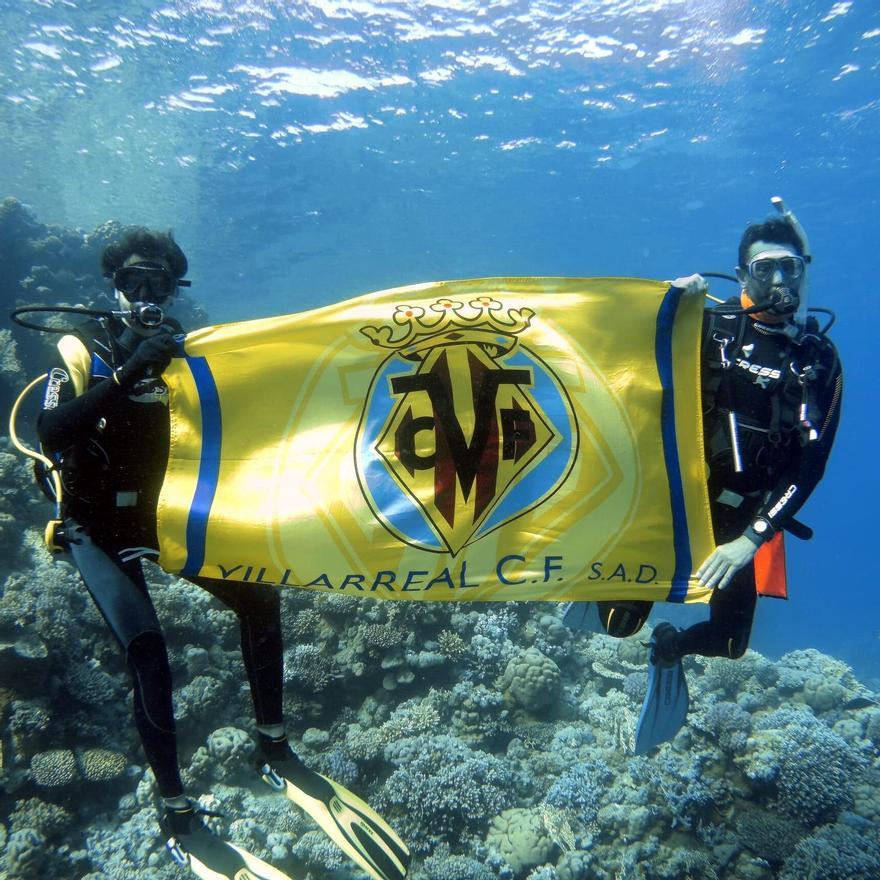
(723, 341)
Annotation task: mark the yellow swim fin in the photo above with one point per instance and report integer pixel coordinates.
(210, 857)
(361, 833)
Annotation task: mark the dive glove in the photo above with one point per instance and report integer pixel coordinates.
(150, 358)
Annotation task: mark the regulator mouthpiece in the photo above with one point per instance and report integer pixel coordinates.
(784, 301)
(146, 314)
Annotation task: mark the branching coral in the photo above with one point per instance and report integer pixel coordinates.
(442, 787)
(836, 852)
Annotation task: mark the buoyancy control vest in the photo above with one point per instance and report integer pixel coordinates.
(759, 393)
(114, 470)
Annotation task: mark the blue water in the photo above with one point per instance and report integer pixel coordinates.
(307, 152)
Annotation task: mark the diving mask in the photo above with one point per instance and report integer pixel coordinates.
(764, 267)
(152, 279)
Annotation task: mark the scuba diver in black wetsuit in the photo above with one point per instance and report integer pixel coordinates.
(771, 388)
(105, 424)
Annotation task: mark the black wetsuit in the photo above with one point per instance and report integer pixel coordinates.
(112, 447)
(786, 395)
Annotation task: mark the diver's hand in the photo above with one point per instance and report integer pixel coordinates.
(692, 285)
(718, 570)
(150, 358)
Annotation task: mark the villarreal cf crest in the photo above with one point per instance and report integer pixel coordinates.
(464, 428)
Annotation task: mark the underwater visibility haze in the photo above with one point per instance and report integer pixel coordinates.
(309, 152)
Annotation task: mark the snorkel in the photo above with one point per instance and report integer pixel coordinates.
(788, 215)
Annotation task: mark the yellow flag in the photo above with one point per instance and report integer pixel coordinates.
(490, 439)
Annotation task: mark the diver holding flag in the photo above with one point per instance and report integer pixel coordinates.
(104, 426)
(771, 392)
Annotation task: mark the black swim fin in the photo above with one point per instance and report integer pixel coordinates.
(361, 833)
(208, 856)
(582, 617)
(666, 702)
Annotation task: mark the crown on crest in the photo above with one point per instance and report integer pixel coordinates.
(483, 320)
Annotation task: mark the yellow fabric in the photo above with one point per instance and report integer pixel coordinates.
(490, 439)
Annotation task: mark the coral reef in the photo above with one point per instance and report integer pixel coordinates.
(442, 787)
(498, 743)
(520, 837)
(849, 850)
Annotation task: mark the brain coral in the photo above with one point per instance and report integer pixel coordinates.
(728, 724)
(531, 680)
(442, 866)
(580, 789)
(816, 775)
(768, 835)
(573, 866)
(519, 836)
(306, 667)
(48, 819)
(230, 745)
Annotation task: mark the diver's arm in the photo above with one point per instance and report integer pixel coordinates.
(796, 483)
(66, 419)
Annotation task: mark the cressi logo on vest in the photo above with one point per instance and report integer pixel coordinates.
(783, 500)
(57, 377)
(762, 374)
(464, 428)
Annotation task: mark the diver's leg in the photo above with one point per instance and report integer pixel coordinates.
(624, 617)
(258, 608)
(726, 633)
(120, 593)
(147, 658)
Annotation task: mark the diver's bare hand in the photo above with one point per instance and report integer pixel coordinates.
(720, 567)
(692, 285)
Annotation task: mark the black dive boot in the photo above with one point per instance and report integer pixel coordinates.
(193, 845)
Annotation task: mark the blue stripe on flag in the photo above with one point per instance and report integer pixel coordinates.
(680, 537)
(209, 466)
